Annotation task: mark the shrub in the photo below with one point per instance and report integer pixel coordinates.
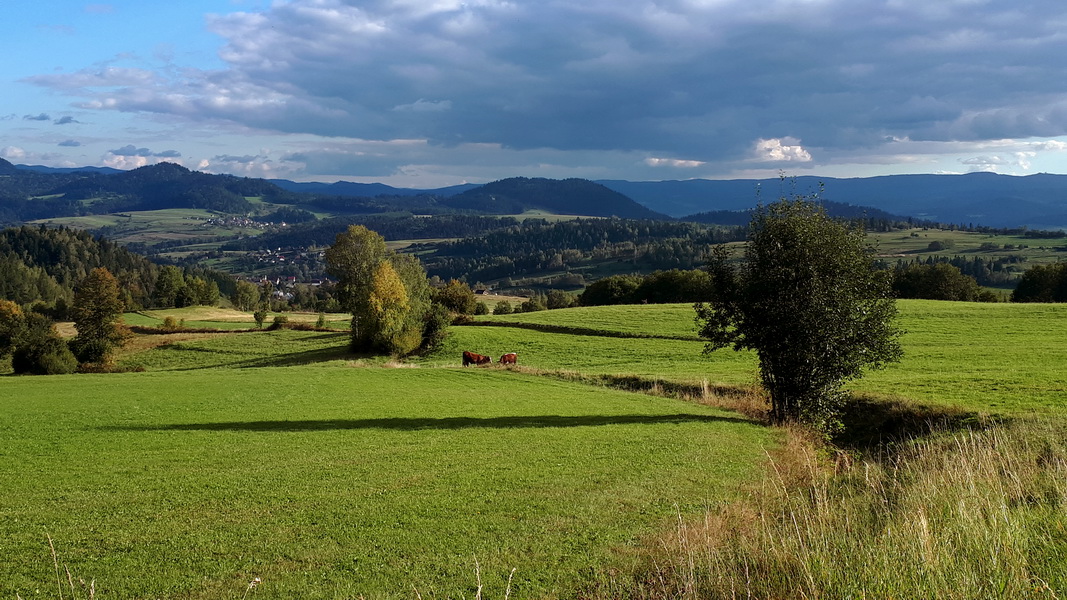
(502, 308)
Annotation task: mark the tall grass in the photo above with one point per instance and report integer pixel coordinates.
(974, 514)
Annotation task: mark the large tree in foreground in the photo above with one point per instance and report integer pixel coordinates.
(810, 301)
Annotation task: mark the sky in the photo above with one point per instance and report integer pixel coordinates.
(430, 93)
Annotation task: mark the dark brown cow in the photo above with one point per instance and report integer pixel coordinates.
(470, 358)
(509, 359)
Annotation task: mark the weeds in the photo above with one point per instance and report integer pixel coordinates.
(980, 513)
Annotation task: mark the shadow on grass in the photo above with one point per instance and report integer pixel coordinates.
(871, 423)
(291, 359)
(445, 423)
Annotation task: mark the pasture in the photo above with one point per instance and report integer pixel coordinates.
(280, 455)
(337, 480)
(994, 358)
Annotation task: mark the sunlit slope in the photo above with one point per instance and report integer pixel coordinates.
(346, 482)
(991, 357)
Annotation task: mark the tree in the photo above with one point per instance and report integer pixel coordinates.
(169, 284)
(11, 323)
(388, 312)
(457, 296)
(617, 289)
(368, 290)
(503, 307)
(940, 281)
(675, 285)
(245, 296)
(1042, 283)
(809, 300)
(38, 349)
(352, 259)
(560, 299)
(96, 312)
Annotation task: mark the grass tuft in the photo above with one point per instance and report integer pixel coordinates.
(978, 513)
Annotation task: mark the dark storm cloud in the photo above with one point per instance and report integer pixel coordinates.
(40, 117)
(65, 120)
(70, 143)
(685, 80)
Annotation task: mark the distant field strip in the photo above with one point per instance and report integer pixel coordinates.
(346, 482)
(671, 321)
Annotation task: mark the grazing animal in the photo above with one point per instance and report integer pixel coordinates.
(470, 358)
(509, 359)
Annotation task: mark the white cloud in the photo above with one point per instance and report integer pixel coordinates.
(12, 153)
(673, 162)
(780, 150)
(611, 82)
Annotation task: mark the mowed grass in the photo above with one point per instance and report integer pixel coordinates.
(346, 482)
(212, 317)
(1002, 358)
(659, 320)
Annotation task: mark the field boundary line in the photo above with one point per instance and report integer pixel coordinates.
(587, 331)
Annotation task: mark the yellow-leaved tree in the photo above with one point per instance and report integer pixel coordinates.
(388, 310)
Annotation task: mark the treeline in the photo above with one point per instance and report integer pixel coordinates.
(323, 232)
(990, 272)
(42, 266)
(660, 287)
(1042, 283)
(873, 219)
(536, 246)
(422, 204)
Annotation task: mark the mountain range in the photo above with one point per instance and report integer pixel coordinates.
(1037, 201)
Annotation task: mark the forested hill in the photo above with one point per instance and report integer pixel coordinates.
(43, 264)
(27, 194)
(167, 185)
(566, 197)
(837, 210)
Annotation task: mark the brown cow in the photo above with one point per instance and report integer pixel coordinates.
(470, 358)
(509, 359)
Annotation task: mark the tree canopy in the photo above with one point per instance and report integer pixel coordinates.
(387, 293)
(96, 311)
(808, 299)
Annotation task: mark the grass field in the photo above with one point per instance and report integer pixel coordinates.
(280, 455)
(985, 357)
(208, 317)
(346, 482)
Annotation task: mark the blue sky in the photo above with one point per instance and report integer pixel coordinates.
(427, 93)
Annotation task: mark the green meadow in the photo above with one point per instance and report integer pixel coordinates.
(340, 478)
(281, 456)
(996, 358)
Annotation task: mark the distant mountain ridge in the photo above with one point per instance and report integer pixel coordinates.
(1036, 201)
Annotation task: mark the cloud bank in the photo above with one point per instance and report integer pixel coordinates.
(680, 85)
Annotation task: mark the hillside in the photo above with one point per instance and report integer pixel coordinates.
(1037, 201)
(566, 197)
(39, 264)
(834, 209)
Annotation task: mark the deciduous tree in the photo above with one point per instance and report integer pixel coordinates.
(245, 296)
(96, 311)
(356, 260)
(809, 300)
